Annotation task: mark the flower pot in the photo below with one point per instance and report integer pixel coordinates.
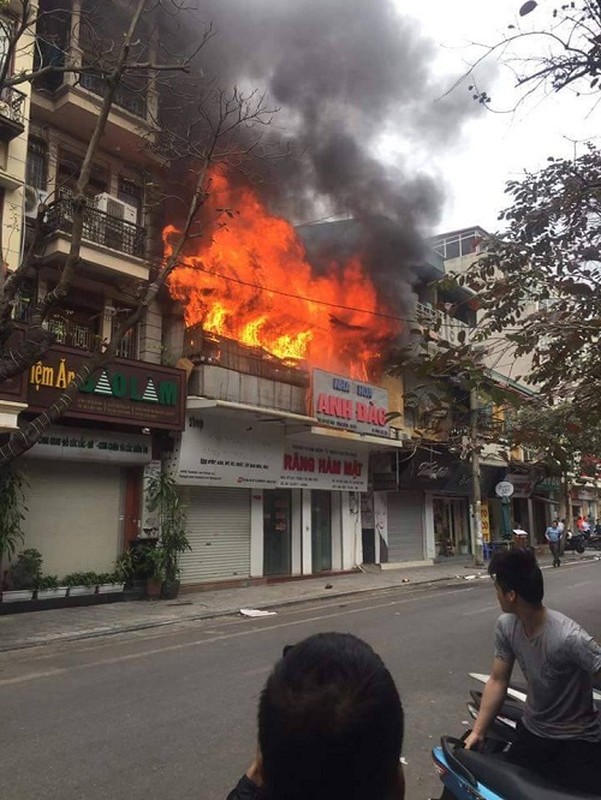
(81, 591)
(109, 588)
(153, 588)
(16, 595)
(463, 549)
(170, 590)
(48, 594)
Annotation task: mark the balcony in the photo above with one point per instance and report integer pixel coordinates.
(126, 98)
(99, 228)
(12, 113)
(442, 325)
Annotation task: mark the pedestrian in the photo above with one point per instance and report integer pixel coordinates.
(330, 726)
(553, 536)
(559, 735)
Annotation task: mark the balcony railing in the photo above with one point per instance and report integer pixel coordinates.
(98, 227)
(447, 327)
(12, 113)
(129, 99)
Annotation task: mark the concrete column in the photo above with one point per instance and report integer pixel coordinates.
(150, 335)
(307, 552)
(352, 546)
(256, 533)
(336, 531)
(428, 527)
(297, 532)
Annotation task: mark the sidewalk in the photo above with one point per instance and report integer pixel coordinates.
(19, 631)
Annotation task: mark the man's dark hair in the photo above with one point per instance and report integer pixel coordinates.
(330, 722)
(518, 570)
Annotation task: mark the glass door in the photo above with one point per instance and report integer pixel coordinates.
(321, 531)
(277, 531)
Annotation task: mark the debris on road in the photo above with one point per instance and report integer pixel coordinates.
(256, 612)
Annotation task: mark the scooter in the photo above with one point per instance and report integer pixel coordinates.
(485, 775)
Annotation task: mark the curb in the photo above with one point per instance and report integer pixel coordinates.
(141, 626)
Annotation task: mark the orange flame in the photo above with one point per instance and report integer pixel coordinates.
(252, 282)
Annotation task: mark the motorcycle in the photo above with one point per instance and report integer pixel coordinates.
(485, 775)
(577, 542)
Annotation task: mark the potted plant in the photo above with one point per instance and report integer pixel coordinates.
(164, 500)
(48, 588)
(81, 583)
(463, 547)
(108, 582)
(24, 576)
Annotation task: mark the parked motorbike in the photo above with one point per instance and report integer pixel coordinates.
(486, 775)
(577, 542)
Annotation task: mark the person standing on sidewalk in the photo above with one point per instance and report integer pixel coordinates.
(553, 536)
(559, 736)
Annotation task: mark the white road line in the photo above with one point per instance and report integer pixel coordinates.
(582, 583)
(254, 631)
(481, 610)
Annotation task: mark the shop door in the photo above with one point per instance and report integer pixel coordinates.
(277, 531)
(321, 531)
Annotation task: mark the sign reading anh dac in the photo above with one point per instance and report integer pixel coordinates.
(350, 405)
(126, 392)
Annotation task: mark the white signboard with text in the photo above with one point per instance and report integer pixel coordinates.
(99, 447)
(215, 451)
(307, 466)
(225, 451)
(350, 405)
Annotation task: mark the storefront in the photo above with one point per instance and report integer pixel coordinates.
(84, 477)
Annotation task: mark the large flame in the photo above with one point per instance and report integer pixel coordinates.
(252, 282)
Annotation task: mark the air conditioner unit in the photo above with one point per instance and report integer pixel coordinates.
(116, 208)
(33, 199)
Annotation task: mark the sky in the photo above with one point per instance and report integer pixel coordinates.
(493, 147)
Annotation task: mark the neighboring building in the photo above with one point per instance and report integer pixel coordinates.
(85, 477)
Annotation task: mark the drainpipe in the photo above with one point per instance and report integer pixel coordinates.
(476, 518)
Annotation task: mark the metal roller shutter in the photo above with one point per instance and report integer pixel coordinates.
(405, 526)
(219, 534)
(74, 515)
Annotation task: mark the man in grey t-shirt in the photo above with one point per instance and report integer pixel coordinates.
(560, 734)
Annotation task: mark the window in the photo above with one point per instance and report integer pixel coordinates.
(132, 193)
(452, 249)
(128, 347)
(6, 33)
(37, 164)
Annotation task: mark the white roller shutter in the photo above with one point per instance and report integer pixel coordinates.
(405, 526)
(74, 515)
(219, 534)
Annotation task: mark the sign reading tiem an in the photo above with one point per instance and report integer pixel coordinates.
(350, 405)
(127, 392)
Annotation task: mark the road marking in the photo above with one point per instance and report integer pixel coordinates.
(209, 640)
(582, 583)
(480, 610)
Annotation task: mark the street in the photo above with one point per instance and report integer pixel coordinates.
(171, 712)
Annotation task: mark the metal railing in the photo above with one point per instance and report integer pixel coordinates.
(12, 103)
(447, 327)
(125, 97)
(98, 227)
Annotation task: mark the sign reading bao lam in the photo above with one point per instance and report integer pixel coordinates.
(125, 392)
(350, 405)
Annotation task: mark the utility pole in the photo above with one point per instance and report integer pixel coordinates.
(476, 516)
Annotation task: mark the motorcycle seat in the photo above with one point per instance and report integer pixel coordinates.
(514, 783)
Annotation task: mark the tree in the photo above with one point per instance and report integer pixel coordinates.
(212, 132)
(561, 48)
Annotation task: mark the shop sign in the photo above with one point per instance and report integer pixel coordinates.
(350, 405)
(504, 489)
(429, 469)
(226, 451)
(307, 466)
(125, 392)
(485, 517)
(522, 484)
(79, 444)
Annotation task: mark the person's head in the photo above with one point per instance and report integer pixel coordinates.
(518, 579)
(555, 523)
(331, 723)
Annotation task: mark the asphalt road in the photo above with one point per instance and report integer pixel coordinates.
(171, 713)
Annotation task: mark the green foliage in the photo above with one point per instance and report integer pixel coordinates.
(48, 582)
(12, 506)
(81, 579)
(164, 500)
(26, 572)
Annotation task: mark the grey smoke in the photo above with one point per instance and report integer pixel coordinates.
(344, 72)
